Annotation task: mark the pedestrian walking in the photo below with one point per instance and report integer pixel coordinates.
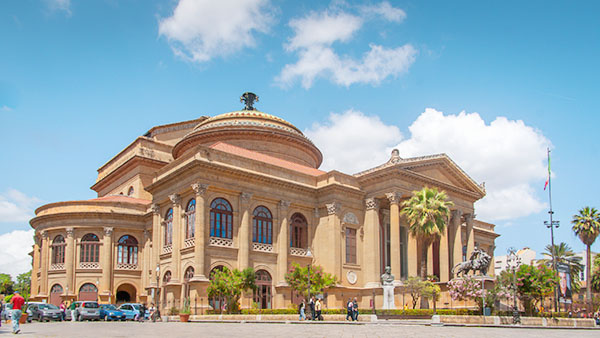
(142, 313)
(301, 308)
(355, 309)
(312, 308)
(17, 301)
(318, 309)
(349, 310)
(152, 312)
(63, 308)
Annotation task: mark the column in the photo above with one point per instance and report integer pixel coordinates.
(371, 242)
(200, 230)
(394, 198)
(444, 256)
(176, 253)
(413, 255)
(430, 259)
(333, 239)
(45, 259)
(244, 231)
(283, 242)
(107, 260)
(69, 259)
(36, 266)
(146, 260)
(156, 247)
(456, 237)
(470, 233)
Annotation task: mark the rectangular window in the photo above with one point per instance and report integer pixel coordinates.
(350, 245)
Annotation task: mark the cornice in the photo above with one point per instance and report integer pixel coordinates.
(125, 168)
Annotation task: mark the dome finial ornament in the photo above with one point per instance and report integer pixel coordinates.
(249, 98)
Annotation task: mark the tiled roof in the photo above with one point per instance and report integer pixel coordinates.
(228, 148)
(121, 198)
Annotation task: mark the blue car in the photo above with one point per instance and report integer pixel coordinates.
(110, 312)
(131, 310)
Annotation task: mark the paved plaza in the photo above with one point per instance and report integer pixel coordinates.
(132, 329)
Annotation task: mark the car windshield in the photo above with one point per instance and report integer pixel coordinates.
(108, 307)
(90, 305)
(47, 307)
(136, 306)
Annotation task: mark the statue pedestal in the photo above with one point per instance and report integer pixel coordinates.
(388, 297)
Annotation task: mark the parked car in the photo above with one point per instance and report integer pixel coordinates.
(7, 312)
(132, 309)
(43, 312)
(82, 310)
(110, 312)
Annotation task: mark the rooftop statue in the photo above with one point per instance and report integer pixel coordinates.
(478, 261)
(249, 98)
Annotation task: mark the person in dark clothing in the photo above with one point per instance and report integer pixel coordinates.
(312, 308)
(355, 309)
(349, 310)
(142, 313)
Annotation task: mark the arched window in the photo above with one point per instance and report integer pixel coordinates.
(187, 276)
(127, 251)
(298, 231)
(90, 249)
(262, 226)
(221, 219)
(130, 191)
(190, 215)
(262, 294)
(58, 250)
(167, 277)
(169, 227)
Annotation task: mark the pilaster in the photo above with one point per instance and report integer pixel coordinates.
(244, 231)
(156, 246)
(176, 253)
(45, 261)
(333, 239)
(444, 256)
(456, 237)
(470, 233)
(283, 241)
(107, 260)
(35, 283)
(69, 260)
(200, 230)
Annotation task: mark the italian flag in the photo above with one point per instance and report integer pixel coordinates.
(548, 179)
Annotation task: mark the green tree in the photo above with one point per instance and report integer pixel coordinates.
(298, 279)
(229, 285)
(596, 274)
(431, 291)
(533, 283)
(586, 225)
(427, 212)
(414, 287)
(564, 254)
(23, 284)
(6, 284)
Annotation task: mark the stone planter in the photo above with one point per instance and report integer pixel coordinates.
(184, 317)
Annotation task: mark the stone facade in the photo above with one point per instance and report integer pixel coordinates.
(238, 190)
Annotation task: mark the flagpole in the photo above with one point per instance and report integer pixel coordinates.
(551, 226)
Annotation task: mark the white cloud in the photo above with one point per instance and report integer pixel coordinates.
(5, 108)
(15, 247)
(60, 6)
(506, 154)
(385, 10)
(201, 30)
(314, 35)
(352, 141)
(17, 207)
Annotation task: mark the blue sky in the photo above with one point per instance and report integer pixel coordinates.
(79, 80)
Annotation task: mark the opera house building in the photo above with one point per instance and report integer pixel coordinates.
(244, 189)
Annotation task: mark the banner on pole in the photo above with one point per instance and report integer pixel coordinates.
(565, 290)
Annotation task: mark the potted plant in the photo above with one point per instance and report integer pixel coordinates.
(184, 314)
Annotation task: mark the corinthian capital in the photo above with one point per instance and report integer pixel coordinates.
(175, 198)
(393, 197)
(371, 203)
(44, 234)
(155, 208)
(199, 188)
(283, 204)
(333, 208)
(456, 215)
(108, 231)
(69, 232)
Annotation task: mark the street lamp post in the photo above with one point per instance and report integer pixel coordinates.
(515, 262)
(552, 224)
(157, 290)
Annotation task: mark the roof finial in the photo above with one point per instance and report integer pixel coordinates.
(249, 98)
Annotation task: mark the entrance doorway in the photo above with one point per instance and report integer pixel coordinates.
(88, 292)
(55, 294)
(262, 295)
(125, 293)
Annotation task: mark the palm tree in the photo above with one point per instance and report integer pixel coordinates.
(427, 213)
(586, 225)
(564, 254)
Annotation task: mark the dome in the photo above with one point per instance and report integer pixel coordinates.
(253, 130)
